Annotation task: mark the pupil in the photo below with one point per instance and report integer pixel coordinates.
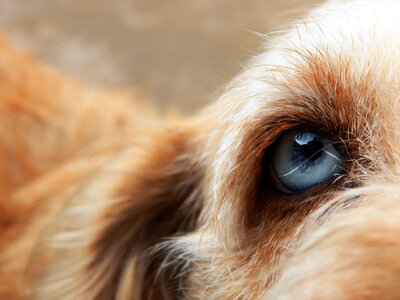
(311, 150)
(308, 146)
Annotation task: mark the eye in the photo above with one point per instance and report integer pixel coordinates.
(303, 159)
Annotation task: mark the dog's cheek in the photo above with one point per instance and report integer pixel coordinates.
(352, 256)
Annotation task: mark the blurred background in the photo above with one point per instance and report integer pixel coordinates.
(178, 53)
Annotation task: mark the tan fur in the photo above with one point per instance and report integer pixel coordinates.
(103, 198)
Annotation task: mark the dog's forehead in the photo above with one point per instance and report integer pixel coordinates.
(359, 36)
(342, 54)
(345, 27)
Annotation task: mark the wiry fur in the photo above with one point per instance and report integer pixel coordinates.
(102, 198)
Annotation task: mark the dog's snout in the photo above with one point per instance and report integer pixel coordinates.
(355, 255)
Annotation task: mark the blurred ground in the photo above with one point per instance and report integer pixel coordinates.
(178, 52)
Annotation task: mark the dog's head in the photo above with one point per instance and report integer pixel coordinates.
(286, 188)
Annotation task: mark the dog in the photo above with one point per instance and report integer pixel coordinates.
(286, 188)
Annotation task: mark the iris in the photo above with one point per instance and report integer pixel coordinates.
(303, 159)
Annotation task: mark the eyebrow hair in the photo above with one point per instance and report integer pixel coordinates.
(328, 91)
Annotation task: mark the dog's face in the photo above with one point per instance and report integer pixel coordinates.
(286, 188)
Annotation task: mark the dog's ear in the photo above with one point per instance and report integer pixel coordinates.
(157, 197)
(162, 201)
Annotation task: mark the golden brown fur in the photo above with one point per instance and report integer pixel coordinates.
(103, 198)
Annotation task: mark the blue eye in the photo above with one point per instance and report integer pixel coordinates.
(303, 159)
